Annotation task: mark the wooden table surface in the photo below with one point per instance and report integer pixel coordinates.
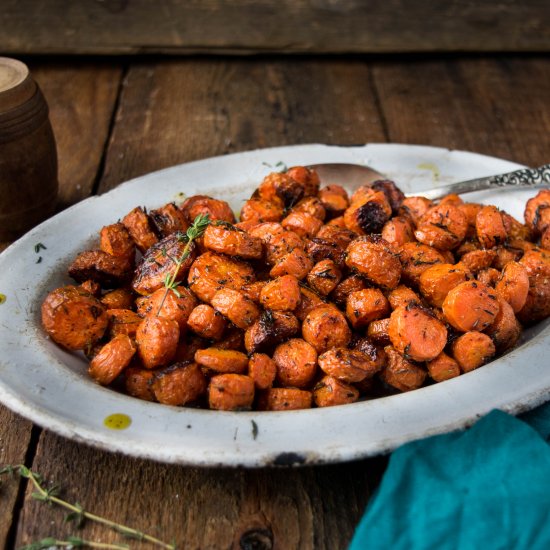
(117, 118)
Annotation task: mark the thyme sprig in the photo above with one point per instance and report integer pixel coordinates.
(77, 513)
(71, 542)
(195, 230)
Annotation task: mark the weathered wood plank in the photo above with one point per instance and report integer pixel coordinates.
(494, 106)
(81, 97)
(245, 26)
(218, 508)
(176, 111)
(15, 435)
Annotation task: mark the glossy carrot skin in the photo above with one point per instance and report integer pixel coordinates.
(313, 298)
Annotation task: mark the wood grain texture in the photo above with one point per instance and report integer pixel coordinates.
(493, 106)
(176, 111)
(245, 26)
(15, 436)
(81, 97)
(201, 508)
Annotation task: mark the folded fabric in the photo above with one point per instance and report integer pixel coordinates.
(487, 487)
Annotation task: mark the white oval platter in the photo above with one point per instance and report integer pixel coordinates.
(50, 386)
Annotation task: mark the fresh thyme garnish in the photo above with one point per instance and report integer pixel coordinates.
(71, 542)
(195, 230)
(38, 247)
(78, 514)
(281, 166)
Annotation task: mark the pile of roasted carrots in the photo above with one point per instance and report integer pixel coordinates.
(314, 298)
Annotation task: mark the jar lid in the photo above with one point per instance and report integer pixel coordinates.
(16, 84)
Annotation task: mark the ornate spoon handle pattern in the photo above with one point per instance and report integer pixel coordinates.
(527, 177)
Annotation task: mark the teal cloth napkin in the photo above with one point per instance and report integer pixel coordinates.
(484, 488)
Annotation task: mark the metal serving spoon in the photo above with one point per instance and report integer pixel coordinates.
(355, 175)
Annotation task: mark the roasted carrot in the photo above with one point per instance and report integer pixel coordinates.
(436, 282)
(279, 185)
(476, 260)
(472, 349)
(161, 261)
(285, 399)
(96, 265)
(138, 382)
(157, 340)
(513, 285)
(415, 258)
(377, 331)
(201, 204)
(123, 321)
(443, 227)
(505, 329)
(73, 318)
(335, 200)
(206, 322)
(269, 330)
(471, 306)
(343, 289)
(232, 304)
(112, 359)
(211, 272)
(312, 206)
(326, 327)
(537, 212)
(398, 231)
(168, 219)
(296, 263)
(365, 306)
(401, 373)
(414, 208)
(402, 295)
(372, 257)
(116, 241)
(222, 360)
(296, 362)
(330, 391)
(348, 365)
(490, 228)
(416, 333)
(262, 369)
(442, 368)
(138, 226)
(225, 238)
(166, 303)
(179, 384)
(119, 298)
(260, 211)
(230, 392)
(368, 212)
(307, 178)
(281, 294)
(302, 223)
(324, 277)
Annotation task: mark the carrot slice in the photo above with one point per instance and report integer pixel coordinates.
(416, 333)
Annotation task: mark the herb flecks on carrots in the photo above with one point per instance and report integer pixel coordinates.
(313, 298)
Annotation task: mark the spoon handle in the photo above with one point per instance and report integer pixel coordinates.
(527, 177)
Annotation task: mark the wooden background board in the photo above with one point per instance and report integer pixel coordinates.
(252, 26)
(135, 116)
